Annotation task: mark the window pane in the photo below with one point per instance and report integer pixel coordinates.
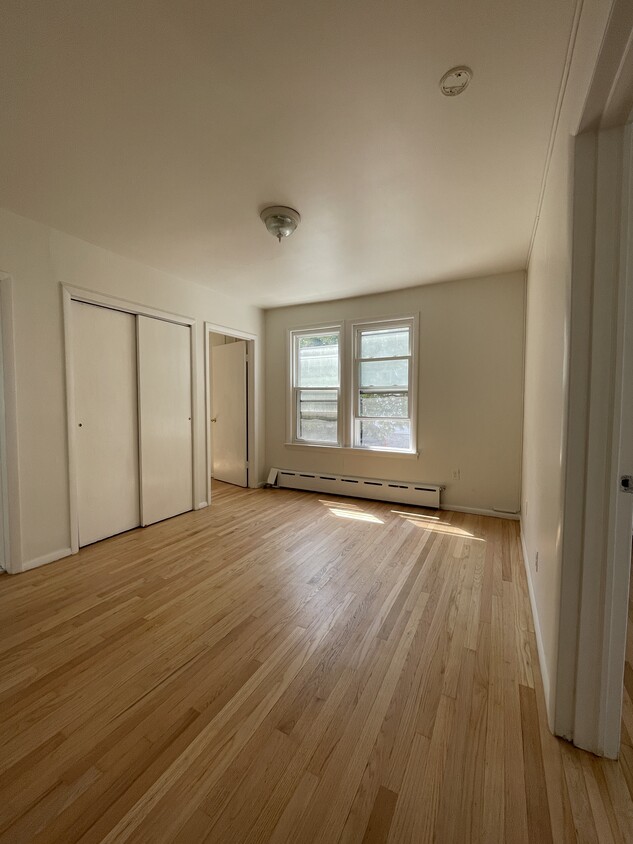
(385, 342)
(383, 433)
(317, 414)
(384, 404)
(384, 373)
(317, 360)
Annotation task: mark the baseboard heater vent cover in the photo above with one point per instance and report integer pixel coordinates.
(400, 492)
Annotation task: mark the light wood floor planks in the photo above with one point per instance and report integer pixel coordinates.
(288, 667)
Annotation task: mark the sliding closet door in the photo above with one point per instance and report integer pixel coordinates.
(164, 368)
(106, 433)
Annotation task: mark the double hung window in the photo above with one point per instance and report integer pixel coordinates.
(353, 385)
(317, 386)
(382, 395)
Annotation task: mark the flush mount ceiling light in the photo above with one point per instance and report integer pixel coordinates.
(280, 220)
(455, 81)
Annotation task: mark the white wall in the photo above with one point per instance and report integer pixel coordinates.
(545, 397)
(547, 360)
(39, 258)
(470, 389)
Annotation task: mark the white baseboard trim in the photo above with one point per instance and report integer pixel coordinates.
(202, 505)
(537, 633)
(46, 558)
(477, 511)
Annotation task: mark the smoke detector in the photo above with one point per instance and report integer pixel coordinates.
(455, 81)
(280, 220)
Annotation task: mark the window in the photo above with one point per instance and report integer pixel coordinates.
(353, 385)
(382, 379)
(316, 386)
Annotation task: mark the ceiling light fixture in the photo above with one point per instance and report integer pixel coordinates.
(455, 81)
(280, 220)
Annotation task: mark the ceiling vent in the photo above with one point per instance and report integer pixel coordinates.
(455, 81)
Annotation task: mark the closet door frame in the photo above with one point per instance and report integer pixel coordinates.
(90, 297)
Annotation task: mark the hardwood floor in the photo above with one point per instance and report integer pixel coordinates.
(287, 667)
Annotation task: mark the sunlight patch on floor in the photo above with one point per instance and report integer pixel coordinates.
(350, 511)
(434, 524)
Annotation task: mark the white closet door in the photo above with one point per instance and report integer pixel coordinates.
(228, 400)
(106, 433)
(164, 368)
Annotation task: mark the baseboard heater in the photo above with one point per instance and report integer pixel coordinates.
(400, 492)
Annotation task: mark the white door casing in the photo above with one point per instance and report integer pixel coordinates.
(104, 360)
(4, 518)
(618, 551)
(597, 517)
(165, 414)
(229, 410)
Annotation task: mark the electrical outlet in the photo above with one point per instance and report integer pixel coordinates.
(536, 562)
(456, 474)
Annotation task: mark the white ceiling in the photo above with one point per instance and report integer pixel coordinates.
(159, 129)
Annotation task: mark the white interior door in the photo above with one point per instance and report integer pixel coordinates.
(106, 433)
(229, 413)
(164, 366)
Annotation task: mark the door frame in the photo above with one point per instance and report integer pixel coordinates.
(9, 475)
(620, 524)
(72, 294)
(595, 555)
(252, 350)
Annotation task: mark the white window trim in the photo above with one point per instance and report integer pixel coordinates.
(347, 376)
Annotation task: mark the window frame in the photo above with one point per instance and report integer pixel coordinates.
(357, 328)
(295, 389)
(348, 332)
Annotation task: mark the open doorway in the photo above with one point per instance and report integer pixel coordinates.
(229, 388)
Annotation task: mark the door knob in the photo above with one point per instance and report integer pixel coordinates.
(214, 419)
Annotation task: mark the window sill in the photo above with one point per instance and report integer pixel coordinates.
(408, 455)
